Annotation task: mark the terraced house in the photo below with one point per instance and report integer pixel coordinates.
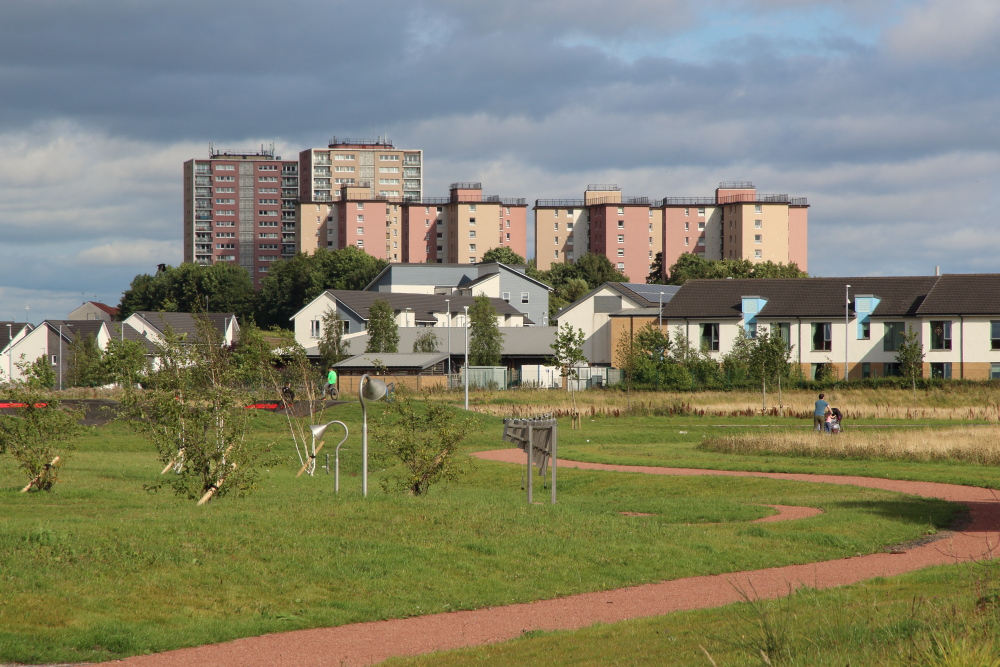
(857, 324)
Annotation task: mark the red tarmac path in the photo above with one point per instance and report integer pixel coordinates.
(370, 643)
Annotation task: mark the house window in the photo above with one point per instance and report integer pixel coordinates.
(758, 224)
(687, 226)
(621, 210)
(472, 233)
(556, 226)
(757, 208)
(650, 240)
(782, 330)
(472, 208)
(55, 359)
(361, 230)
(821, 333)
(710, 336)
(941, 336)
(621, 252)
(556, 240)
(891, 369)
(995, 334)
(621, 238)
(866, 370)
(701, 226)
(508, 224)
(524, 297)
(701, 211)
(893, 336)
(758, 238)
(472, 247)
(687, 211)
(472, 221)
(361, 218)
(621, 224)
(757, 254)
(995, 371)
(820, 371)
(472, 260)
(505, 296)
(314, 329)
(864, 330)
(621, 266)
(687, 240)
(361, 243)
(941, 370)
(557, 254)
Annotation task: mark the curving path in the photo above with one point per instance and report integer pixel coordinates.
(369, 643)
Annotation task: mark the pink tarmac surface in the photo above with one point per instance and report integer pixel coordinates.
(370, 643)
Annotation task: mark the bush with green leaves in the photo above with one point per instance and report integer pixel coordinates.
(194, 412)
(424, 440)
(39, 431)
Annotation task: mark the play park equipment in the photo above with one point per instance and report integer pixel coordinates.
(309, 465)
(537, 438)
(371, 389)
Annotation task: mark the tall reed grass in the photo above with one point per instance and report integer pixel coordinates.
(969, 444)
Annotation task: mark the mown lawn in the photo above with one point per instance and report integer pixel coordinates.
(102, 568)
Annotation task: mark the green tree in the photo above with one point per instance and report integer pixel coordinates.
(502, 254)
(568, 350)
(572, 281)
(125, 362)
(628, 358)
(910, 357)
(383, 332)
(485, 338)
(290, 284)
(702, 369)
(38, 374)
(194, 413)
(689, 266)
(39, 433)
(427, 341)
(654, 346)
(332, 346)
(597, 270)
(192, 288)
(655, 276)
(763, 359)
(85, 363)
(424, 441)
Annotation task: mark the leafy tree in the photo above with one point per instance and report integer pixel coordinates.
(290, 284)
(195, 416)
(571, 281)
(689, 266)
(192, 288)
(39, 433)
(910, 357)
(655, 276)
(568, 355)
(38, 374)
(658, 368)
(485, 338)
(764, 359)
(85, 363)
(427, 341)
(628, 358)
(699, 364)
(125, 362)
(597, 270)
(424, 442)
(383, 332)
(332, 346)
(502, 254)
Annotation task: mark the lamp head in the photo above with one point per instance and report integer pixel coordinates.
(372, 389)
(318, 430)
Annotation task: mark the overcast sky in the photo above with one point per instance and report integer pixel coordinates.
(884, 114)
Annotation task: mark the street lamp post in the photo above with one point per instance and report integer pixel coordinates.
(847, 304)
(61, 356)
(372, 389)
(448, 304)
(10, 353)
(466, 357)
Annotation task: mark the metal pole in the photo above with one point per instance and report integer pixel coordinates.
(555, 430)
(530, 471)
(60, 357)
(10, 354)
(661, 312)
(364, 439)
(847, 304)
(448, 304)
(467, 361)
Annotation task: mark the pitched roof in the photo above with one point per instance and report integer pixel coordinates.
(647, 295)
(424, 306)
(513, 268)
(797, 297)
(391, 360)
(517, 341)
(110, 310)
(15, 328)
(963, 294)
(73, 328)
(183, 323)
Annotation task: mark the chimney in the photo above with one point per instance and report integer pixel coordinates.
(937, 270)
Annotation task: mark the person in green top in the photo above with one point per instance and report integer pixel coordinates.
(331, 383)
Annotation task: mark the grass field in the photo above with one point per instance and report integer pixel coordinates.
(101, 568)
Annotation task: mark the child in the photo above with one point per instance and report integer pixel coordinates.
(834, 420)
